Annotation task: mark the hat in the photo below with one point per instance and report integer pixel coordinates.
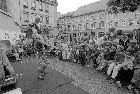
(6, 44)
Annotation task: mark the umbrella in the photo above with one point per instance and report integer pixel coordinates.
(5, 44)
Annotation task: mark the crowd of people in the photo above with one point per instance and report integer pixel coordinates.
(117, 56)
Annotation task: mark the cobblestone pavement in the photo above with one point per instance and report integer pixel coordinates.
(54, 82)
(88, 79)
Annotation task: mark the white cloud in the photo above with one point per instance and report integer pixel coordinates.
(65, 6)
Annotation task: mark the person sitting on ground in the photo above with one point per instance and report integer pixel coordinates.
(111, 57)
(106, 54)
(118, 59)
(20, 50)
(124, 42)
(76, 52)
(95, 55)
(136, 78)
(111, 53)
(101, 61)
(91, 54)
(82, 56)
(125, 74)
(69, 53)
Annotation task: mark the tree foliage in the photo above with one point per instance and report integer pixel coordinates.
(116, 6)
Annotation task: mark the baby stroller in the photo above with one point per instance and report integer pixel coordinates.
(8, 82)
(8, 77)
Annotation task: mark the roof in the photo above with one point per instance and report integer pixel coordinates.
(89, 8)
(92, 7)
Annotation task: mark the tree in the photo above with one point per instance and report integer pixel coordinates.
(116, 6)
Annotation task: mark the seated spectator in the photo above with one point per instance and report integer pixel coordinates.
(94, 55)
(124, 72)
(101, 61)
(136, 78)
(119, 58)
(68, 53)
(111, 53)
(82, 56)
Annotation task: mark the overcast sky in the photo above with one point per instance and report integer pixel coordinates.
(65, 6)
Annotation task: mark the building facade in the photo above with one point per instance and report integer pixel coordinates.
(127, 22)
(87, 21)
(7, 18)
(93, 19)
(45, 9)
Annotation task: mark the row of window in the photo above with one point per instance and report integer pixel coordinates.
(121, 14)
(26, 17)
(101, 24)
(85, 18)
(94, 17)
(94, 25)
(33, 6)
(123, 23)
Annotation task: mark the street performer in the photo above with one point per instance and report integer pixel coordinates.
(37, 38)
